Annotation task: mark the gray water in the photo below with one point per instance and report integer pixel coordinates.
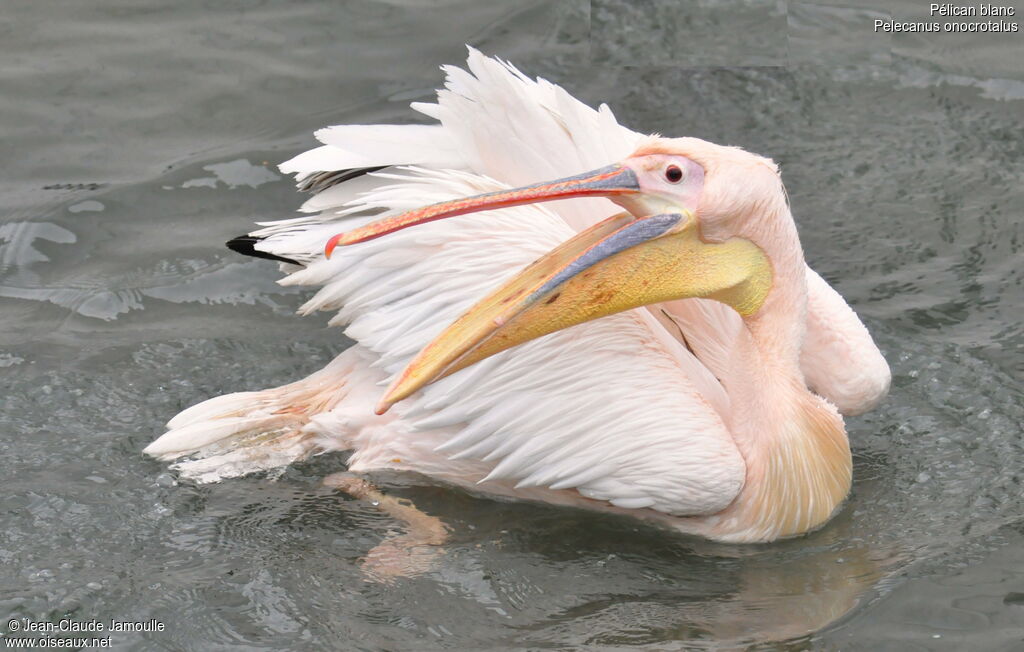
(139, 136)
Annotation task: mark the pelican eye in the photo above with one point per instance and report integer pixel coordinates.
(673, 174)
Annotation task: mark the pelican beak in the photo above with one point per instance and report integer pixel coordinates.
(618, 264)
(609, 181)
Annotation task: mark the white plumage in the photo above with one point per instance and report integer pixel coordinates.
(614, 413)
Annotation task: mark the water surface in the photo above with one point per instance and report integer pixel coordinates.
(139, 137)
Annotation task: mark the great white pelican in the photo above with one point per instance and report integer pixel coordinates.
(653, 345)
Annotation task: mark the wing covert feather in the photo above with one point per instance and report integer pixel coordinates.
(610, 408)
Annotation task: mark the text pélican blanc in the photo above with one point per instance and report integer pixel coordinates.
(950, 9)
(983, 10)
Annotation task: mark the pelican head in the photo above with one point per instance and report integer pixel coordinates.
(699, 222)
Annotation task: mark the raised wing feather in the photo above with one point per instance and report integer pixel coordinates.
(497, 122)
(610, 408)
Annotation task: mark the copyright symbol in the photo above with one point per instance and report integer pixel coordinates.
(13, 624)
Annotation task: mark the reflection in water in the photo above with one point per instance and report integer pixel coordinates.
(18, 248)
(733, 596)
(186, 281)
(399, 555)
(241, 172)
(89, 205)
(792, 594)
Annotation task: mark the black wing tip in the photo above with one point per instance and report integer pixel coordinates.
(320, 181)
(246, 245)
